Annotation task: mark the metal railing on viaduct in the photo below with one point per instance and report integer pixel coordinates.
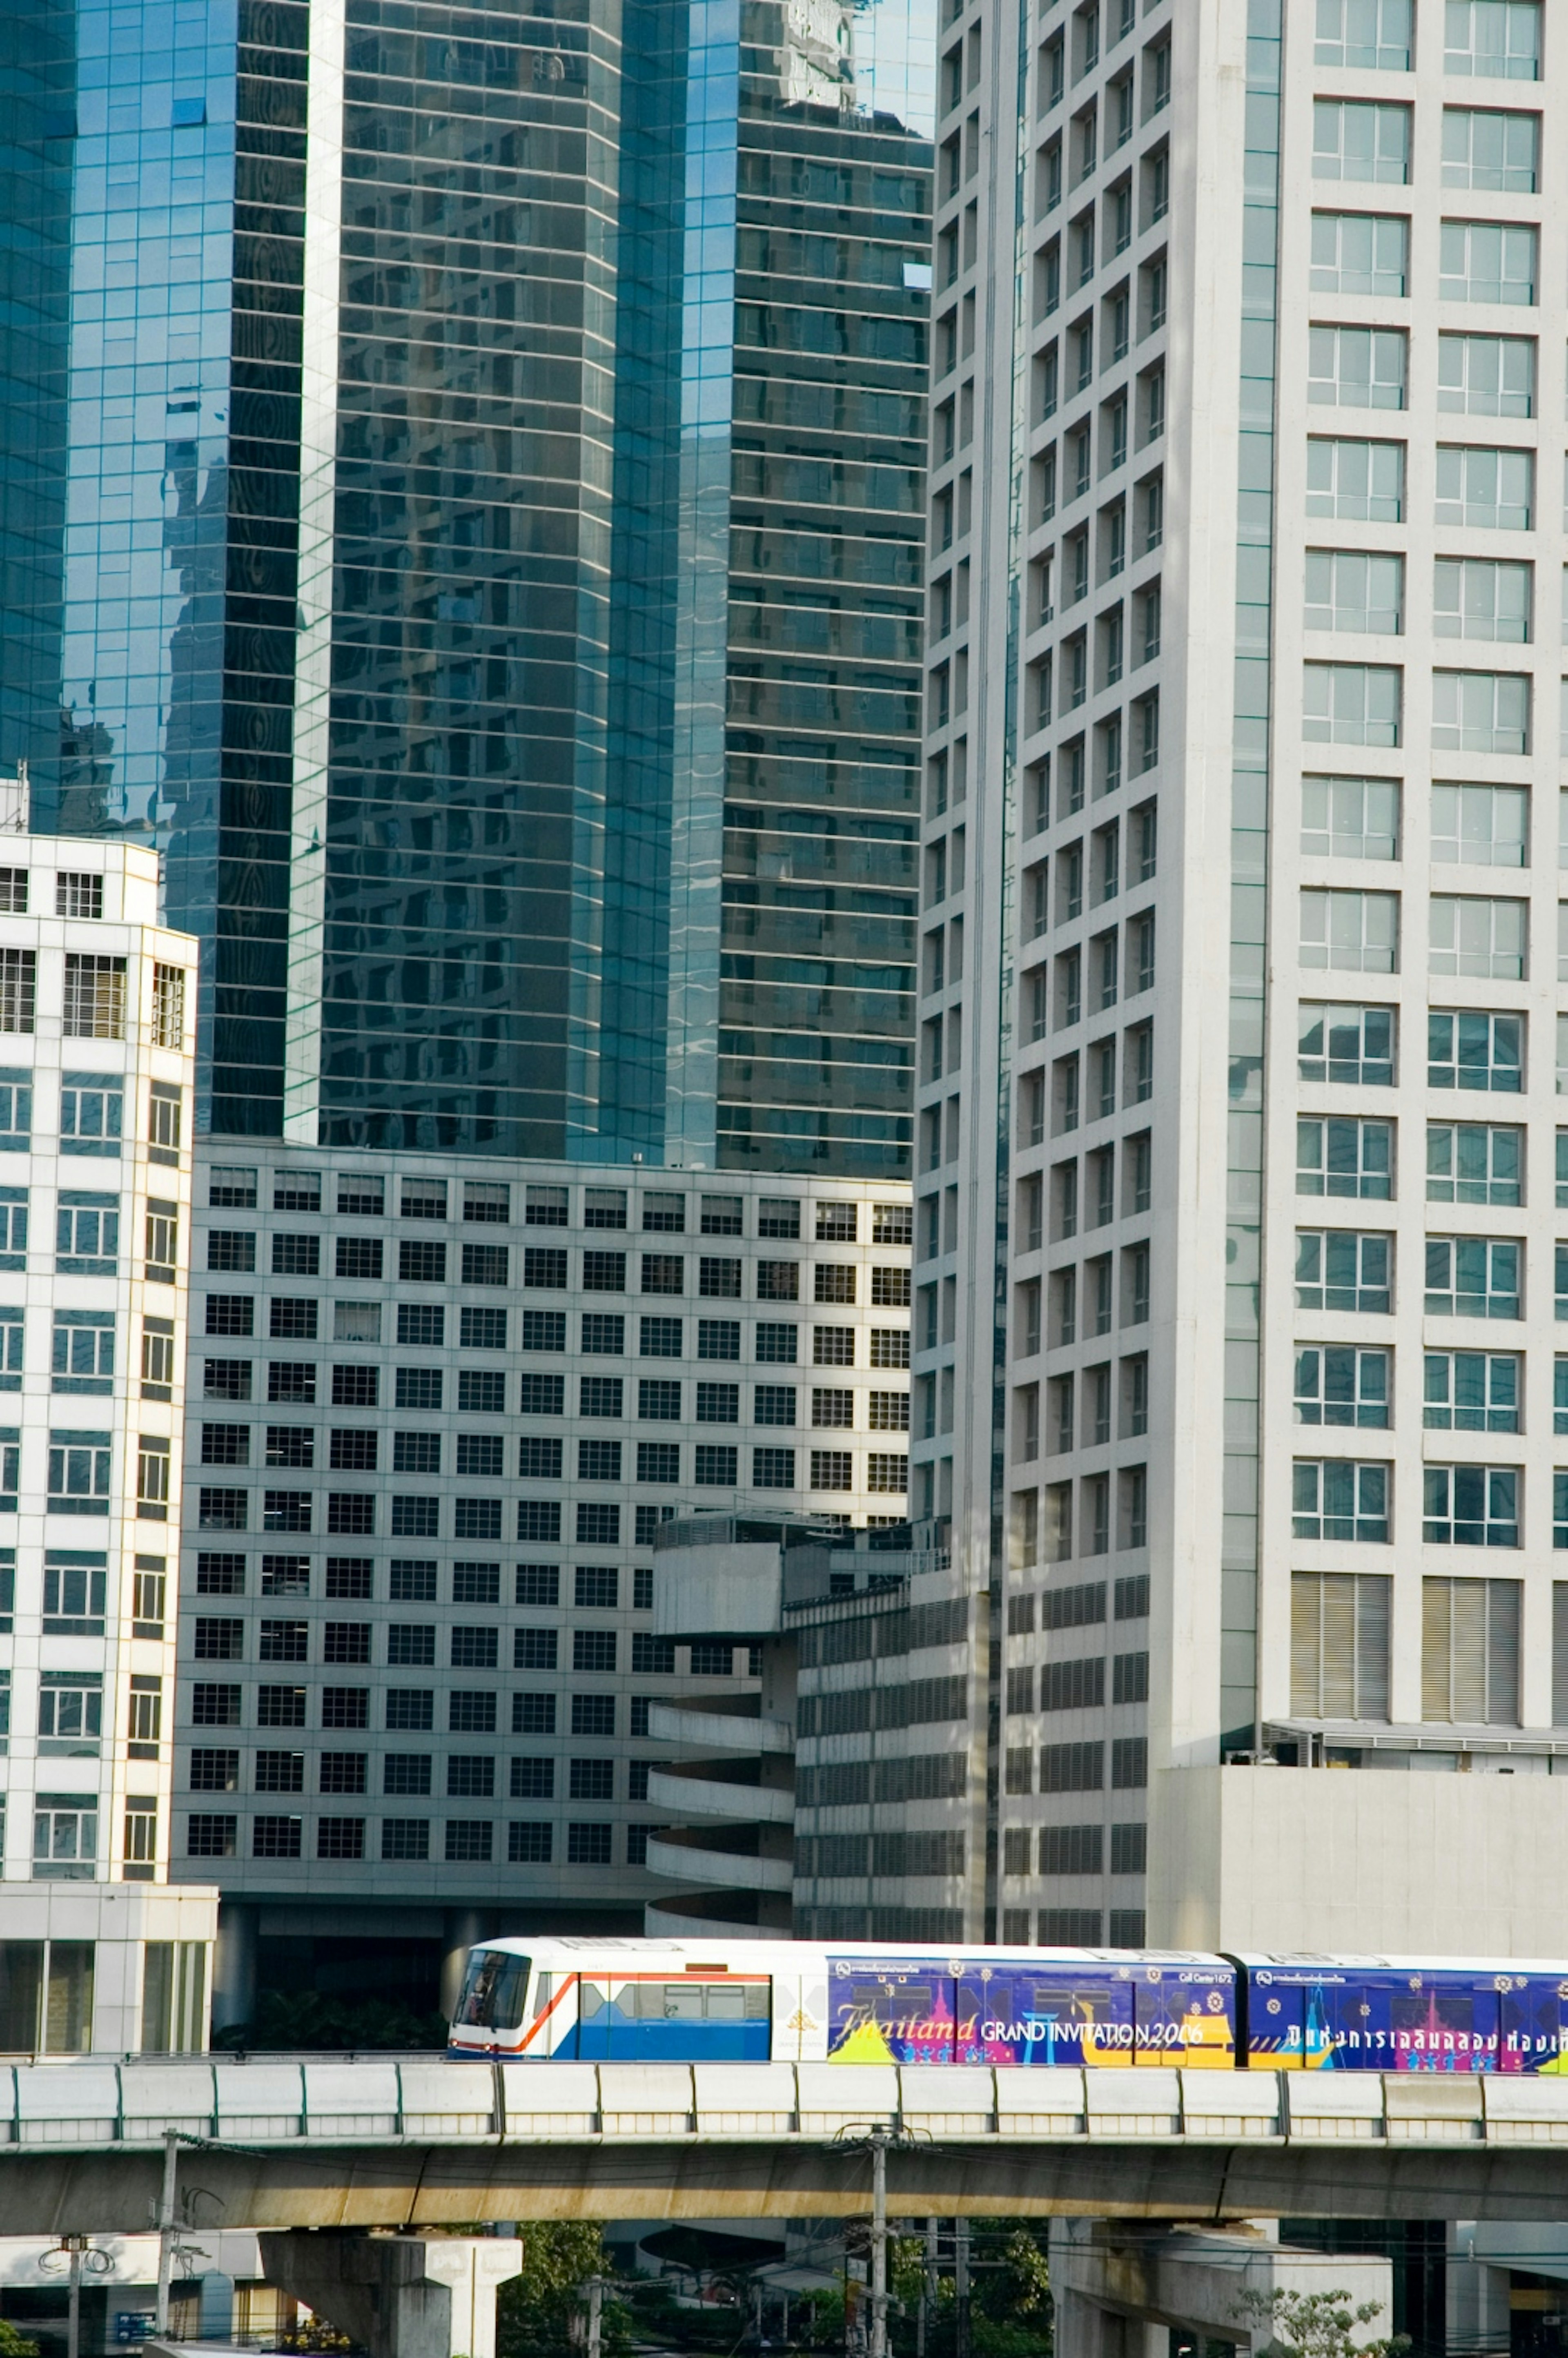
(413, 2142)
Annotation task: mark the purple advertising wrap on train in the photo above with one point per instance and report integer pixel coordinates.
(1016, 2014)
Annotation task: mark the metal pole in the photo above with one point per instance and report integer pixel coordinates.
(877, 2337)
(75, 2245)
(927, 2291)
(595, 2304)
(165, 2228)
(961, 2287)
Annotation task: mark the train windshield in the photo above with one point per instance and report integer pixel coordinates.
(494, 1990)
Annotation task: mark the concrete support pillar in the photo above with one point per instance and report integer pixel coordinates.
(461, 1929)
(1119, 2293)
(235, 1965)
(400, 2296)
(1079, 2327)
(1083, 2330)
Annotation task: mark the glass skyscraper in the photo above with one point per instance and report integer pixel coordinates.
(464, 503)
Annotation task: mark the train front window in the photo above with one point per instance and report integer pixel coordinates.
(494, 1990)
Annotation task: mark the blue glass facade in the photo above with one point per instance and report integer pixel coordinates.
(37, 123)
(119, 261)
(465, 812)
(825, 607)
(467, 511)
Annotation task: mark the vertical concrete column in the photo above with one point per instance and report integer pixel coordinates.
(400, 2296)
(235, 1965)
(1078, 2330)
(473, 2267)
(1083, 2330)
(461, 1929)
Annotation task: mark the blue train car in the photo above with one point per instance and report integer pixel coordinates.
(1404, 2014)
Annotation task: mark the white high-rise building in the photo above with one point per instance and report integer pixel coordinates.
(1240, 1158)
(97, 1006)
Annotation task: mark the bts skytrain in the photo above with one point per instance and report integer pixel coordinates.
(855, 2002)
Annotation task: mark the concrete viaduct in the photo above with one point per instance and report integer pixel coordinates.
(422, 2143)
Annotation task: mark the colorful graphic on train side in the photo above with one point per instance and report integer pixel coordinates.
(1100, 2015)
(1342, 2017)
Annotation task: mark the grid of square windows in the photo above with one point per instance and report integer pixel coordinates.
(428, 1420)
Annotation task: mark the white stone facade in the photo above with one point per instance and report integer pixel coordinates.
(438, 1407)
(97, 1010)
(1244, 703)
(98, 1006)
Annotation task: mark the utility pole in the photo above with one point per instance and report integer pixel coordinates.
(595, 2312)
(75, 2245)
(961, 2287)
(876, 2340)
(875, 2138)
(78, 2253)
(165, 2229)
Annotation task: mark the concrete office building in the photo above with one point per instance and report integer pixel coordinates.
(96, 1010)
(464, 505)
(440, 1410)
(1239, 1156)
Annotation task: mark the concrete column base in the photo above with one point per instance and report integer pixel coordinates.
(1118, 2295)
(401, 2296)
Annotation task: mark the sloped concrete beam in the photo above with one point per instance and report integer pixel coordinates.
(1116, 2294)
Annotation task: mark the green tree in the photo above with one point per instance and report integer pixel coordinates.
(537, 2313)
(14, 2344)
(818, 2322)
(1010, 2294)
(1028, 2275)
(1317, 2325)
